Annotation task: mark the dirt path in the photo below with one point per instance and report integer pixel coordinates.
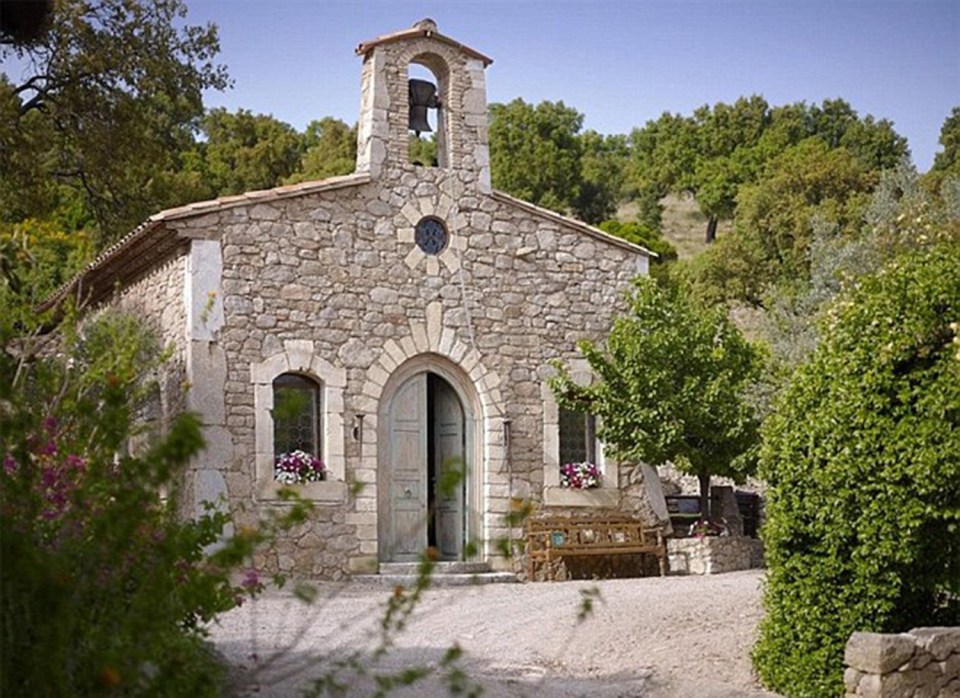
(652, 637)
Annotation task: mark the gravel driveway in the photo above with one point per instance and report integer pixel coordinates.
(651, 637)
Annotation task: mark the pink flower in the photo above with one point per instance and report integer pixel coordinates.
(298, 466)
(76, 462)
(579, 476)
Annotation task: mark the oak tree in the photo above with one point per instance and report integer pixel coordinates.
(330, 149)
(243, 151)
(100, 105)
(535, 152)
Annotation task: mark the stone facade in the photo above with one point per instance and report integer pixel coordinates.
(923, 663)
(713, 554)
(328, 280)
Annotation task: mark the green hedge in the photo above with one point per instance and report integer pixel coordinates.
(863, 460)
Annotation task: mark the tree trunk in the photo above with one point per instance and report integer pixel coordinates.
(711, 229)
(704, 496)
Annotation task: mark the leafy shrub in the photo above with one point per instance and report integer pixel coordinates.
(104, 589)
(731, 269)
(863, 461)
(41, 255)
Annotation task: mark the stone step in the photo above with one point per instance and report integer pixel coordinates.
(445, 574)
(437, 580)
(412, 568)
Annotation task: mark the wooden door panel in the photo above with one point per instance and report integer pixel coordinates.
(409, 541)
(408, 457)
(449, 458)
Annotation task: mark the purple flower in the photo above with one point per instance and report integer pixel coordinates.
(48, 477)
(251, 580)
(9, 464)
(298, 466)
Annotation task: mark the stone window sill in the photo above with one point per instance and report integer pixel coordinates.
(327, 491)
(601, 497)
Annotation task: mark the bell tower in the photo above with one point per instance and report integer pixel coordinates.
(394, 105)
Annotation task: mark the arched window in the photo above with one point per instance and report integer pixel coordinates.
(297, 429)
(298, 405)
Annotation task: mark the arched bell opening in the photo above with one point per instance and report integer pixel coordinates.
(427, 78)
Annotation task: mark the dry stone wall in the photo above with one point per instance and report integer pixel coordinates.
(922, 663)
(156, 299)
(713, 554)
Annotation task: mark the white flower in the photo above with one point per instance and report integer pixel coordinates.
(286, 478)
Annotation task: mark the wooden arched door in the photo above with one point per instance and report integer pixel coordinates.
(426, 482)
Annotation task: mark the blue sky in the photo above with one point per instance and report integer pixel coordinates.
(619, 62)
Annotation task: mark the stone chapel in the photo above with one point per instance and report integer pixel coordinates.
(405, 315)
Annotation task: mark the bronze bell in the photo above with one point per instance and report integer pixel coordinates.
(423, 96)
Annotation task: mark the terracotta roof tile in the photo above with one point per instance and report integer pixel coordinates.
(423, 28)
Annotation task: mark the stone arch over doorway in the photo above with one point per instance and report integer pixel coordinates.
(435, 349)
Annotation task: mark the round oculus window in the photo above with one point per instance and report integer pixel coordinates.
(431, 236)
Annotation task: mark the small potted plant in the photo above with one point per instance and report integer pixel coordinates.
(579, 476)
(297, 467)
(703, 528)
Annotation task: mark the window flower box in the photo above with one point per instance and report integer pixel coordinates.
(298, 467)
(579, 476)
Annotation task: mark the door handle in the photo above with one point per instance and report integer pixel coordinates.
(408, 493)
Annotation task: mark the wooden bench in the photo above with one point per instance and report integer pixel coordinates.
(551, 538)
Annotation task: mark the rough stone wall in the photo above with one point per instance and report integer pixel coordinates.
(157, 300)
(157, 297)
(320, 548)
(922, 663)
(642, 496)
(340, 269)
(713, 554)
